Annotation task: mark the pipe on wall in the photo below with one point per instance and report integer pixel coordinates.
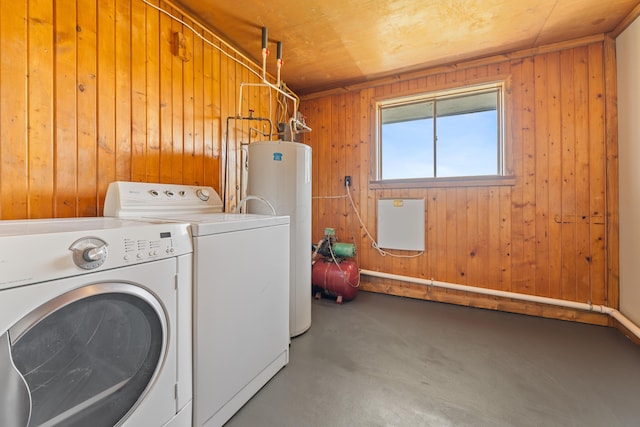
(621, 318)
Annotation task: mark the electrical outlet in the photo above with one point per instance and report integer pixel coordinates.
(347, 181)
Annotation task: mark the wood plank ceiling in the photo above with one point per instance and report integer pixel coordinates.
(333, 43)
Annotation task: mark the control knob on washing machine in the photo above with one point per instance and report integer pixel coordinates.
(89, 252)
(202, 194)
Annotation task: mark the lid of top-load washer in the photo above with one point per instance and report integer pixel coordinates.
(215, 223)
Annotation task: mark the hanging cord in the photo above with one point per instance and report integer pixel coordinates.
(374, 244)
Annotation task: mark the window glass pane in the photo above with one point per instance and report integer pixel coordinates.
(407, 141)
(467, 144)
(467, 128)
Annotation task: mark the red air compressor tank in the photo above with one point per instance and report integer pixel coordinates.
(340, 280)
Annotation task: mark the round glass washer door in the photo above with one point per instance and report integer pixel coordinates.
(85, 358)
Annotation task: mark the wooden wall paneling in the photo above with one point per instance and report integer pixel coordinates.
(542, 281)
(65, 95)
(252, 135)
(152, 31)
(430, 227)
(612, 198)
(166, 64)
(529, 173)
(380, 263)
(177, 111)
(439, 223)
(338, 169)
(521, 237)
(242, 126)
(260, 110)
(597, 173)
(383, 263)
(361, 197)
(138, 92)
(449, 259)
(40, 109)
(104, 100)
(352, 165)
(419, 265)
(527, 265)
(198, 111)
(106, 171)
(123, 90)
(324, 176)
(358, 186)
(217, 121)
(516, 144)
(235, 128)
(347, 167)
(554, 136)
(227, 128)
(582, 172)
(87, 108)
(188, 113)
(483, 255)
(568, 186)
(310, 109)
(462, 237)
(494, 245)
(209, 119)
(505, 237)
(477, 72)
(14, 185)
(473, 249)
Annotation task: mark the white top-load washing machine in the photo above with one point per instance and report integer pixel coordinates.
(240, 294)
(95, 323)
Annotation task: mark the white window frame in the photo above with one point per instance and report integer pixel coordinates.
(499, 85)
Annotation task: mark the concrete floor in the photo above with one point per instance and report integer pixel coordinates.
(387, 361)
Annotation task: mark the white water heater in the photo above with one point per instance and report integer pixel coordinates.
(280, 173)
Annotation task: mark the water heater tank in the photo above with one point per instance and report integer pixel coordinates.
(280, 172)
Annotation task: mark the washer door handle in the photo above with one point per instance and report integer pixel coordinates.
(15, 400)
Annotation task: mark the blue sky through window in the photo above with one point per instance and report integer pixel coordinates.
(466, 146)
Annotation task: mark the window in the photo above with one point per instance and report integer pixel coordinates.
(441, 135)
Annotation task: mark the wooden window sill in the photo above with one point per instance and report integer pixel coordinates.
(480, 181)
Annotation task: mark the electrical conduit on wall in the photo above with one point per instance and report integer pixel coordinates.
(624, 321)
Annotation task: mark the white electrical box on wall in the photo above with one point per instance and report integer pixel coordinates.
(401, 224)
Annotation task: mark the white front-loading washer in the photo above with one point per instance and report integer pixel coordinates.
(95, 323)
(241, 290)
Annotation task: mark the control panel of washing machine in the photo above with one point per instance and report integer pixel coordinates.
(41, 250)
(136, 250)
(89, 253)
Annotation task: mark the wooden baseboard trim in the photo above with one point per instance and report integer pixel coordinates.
(431, 293)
